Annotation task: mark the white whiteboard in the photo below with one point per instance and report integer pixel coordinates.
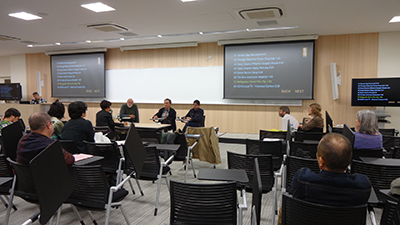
(181, 85)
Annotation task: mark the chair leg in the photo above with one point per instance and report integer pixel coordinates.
(187, 161)
(77, 214)
(124, 214)
(110, 195)
(194, 172)
(58, 215)
(158, 188)
(166, 181)
(130, 184)
(91, 217)
(4, 199)
(140, 188)
(10, 202)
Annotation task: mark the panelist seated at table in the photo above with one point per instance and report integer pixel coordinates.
(284, 112)
(77, 128)
(167, 114)
(104, 117)
(131, 110)
(38, 139)
(11, 115)
(332, 185)
(316, 124)
(194, 116)
(37, 99)
(367, 134)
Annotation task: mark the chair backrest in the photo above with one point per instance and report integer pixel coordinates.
(69, 146)
(376, 153)
(274, 148)
(380, 175)
(348, 132)
(391, 213)
(203, 203)
(109, 151)
(303, 150)
(134, 150)
(150, 136)
(389, 143)
(52, 180)
(10, 136)
(272, 134)
(151, 165)
(293, 164)
(386, 131)
(301, 136)
(246, 162)
(396, 152)
(90, 186)
(180, 154)
(5, 171)
(299, 212)
(102, 129)
(25, 185)
(203, 121)
(257, 194)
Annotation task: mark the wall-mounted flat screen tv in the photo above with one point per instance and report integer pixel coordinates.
(375, 92)
(78, 75)
(277, 70)
(10, 91)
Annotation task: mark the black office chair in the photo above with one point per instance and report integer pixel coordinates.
(150, 136)
(389, 145)
(380, 176)
(293, 164)
(303, 150)
(92, 191)
(203, 203)
(375, 153)
(386, 131)
(302, 136)
(391, 213)
(257, 195)
(5, 172)
(103, 129)
(274, 148)
(69, 146)
(246, 162)
(271, 134)
(10, 136)
(299, 212)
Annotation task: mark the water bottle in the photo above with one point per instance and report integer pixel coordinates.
(291, 127)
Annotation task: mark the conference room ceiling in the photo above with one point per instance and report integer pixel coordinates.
(66, 21)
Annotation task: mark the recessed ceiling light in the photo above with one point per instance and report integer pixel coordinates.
(122, 39)
(98, 7)
(201, 33)
(30, 46)
(88, 41)
(160, 36)
(25, 16)
(395, 19)
(188, 0)
(57, 43)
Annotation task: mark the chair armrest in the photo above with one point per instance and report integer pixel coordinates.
(372, 215)
(242, 207)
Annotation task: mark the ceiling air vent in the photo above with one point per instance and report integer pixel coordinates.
(261, 13)
(8, 38)
(108, 27)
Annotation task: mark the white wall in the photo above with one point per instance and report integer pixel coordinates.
(389, 66)
(4, 66)
(18, 72)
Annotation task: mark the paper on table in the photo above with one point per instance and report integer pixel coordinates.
(120, 142)
(81, 156)
(272, 139)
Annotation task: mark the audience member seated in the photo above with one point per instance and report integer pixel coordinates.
(194, 116)
(367, 134)
(10, 116)
(332, 185)
(284, 112)
(316, 124)
(56, 112)
(33, 143)
(167, 114)
(104, 117)
(37, 99)
(131, 110)
(77, 128)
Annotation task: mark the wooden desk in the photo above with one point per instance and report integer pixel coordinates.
(88, 160)
(223, 175)
(151, 126)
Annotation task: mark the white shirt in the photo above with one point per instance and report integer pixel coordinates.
(292, 121)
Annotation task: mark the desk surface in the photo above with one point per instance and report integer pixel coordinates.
(4, 180)
(165, 147)
(88, 160)
(381, 161)
(151, 126)
(388, 194)
(223, 175)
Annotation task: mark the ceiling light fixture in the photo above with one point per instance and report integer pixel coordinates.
(395, 19)
(156, 46)
(270, 39)
(98, 7)
(58, 43)
(272, 28)
(188, 0)
(25, 16)
(160, 36)
(88, 41)
(122, 39)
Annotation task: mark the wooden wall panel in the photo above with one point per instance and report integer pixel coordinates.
(356, 55)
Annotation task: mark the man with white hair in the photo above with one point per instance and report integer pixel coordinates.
(131, 110)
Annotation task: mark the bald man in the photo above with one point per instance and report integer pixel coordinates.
(33, 143)
(332, 185)
(131, 110)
